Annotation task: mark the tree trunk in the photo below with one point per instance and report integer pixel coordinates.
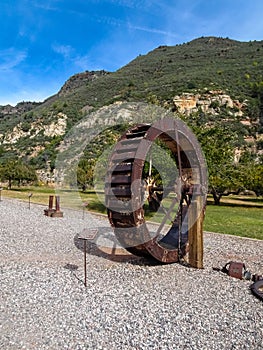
(216, 197)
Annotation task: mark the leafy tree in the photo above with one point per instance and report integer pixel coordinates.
(85, 174)
(253, 180)
(257, 93)
(252, 173)
(16, 171)
(218, 142)
(47, 155)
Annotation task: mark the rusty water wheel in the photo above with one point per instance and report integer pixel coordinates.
(124, 188)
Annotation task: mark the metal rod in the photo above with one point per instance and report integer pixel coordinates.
(150, 165)
(29, 196)
(167, 216)
(85, 263)
(180, 205)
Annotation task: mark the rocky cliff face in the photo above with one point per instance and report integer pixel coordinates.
(213, 103)
(56, 128)
(210, 103)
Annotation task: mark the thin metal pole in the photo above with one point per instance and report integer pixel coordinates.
(150, 165)
(29, 196)
(85, 263)
(181, 199)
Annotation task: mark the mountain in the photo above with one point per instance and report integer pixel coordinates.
(209, 75)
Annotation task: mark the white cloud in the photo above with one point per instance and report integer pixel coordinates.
(11, 58)
(71, 56)
(133, 4)
(152, 30)
(82, 62)
(46, 6)
(65, 50)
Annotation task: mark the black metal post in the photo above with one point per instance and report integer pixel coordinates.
(90, 235)
(85, 262)
(85, 259)
(29, 196)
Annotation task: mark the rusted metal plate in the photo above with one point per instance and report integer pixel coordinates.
(236, 269)
(132, 141)
(122, 167)
(121, 192)
(119, 205)
(122, 157)
(120, 179)
(123, 146)
(160, 253)
(88, 234)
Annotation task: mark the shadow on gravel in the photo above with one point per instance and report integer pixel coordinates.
(72, 268)
(104, 244)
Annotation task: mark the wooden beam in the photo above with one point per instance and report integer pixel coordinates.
(195, 233)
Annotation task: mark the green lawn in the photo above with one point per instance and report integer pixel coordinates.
(235, 220)
(40, 194)
(241, 216)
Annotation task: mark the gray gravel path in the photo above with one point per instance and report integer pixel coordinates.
(129, 303)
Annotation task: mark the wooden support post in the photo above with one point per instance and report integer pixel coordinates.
(195, 233)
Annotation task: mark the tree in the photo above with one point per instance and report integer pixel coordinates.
(257, 94)
(218, 142)
(225, 181)
(14, 170)
(253, 178)
(84, 177)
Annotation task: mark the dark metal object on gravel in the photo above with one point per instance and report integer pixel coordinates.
(257, 289)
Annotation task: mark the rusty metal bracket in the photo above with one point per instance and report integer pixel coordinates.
(233, 269)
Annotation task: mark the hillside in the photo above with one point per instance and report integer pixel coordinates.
(216, 76)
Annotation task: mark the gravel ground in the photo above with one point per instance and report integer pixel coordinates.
(129, 302)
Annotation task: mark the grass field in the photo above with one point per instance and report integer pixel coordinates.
(241, 216)
(235, 220)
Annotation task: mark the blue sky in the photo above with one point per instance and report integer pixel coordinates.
(44, 42)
